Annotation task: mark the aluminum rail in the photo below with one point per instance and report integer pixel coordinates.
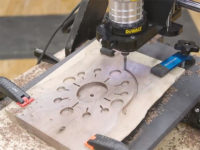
(189, 4)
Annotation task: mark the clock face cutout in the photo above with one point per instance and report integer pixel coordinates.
(97, 91)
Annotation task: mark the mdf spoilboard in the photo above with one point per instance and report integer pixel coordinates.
(91, 93)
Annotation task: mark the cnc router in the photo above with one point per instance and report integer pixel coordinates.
(125, 27)
(129, 25)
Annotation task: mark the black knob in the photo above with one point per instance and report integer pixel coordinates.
(186, 47)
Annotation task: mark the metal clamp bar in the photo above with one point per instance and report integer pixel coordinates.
(189, 4)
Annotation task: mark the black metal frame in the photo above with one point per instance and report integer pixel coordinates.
(178, 105)
(89, 16)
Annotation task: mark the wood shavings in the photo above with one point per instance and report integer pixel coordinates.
(155, 111)
(152, 114)
(198, 64)
(13, 137)
(198, 72)
(168, 94)
(133, 136)
(190, 137)
(31, 74)
(188, 72)
(181, 138)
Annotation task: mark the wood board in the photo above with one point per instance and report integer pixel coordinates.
(90, 94)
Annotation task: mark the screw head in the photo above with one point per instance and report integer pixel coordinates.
(197, 110)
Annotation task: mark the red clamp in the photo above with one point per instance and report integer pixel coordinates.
(88, 145)
(100, 142)
(27, 101)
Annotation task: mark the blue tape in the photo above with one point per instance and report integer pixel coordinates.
(174, 60)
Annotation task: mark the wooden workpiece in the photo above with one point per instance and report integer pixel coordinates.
(89, 94)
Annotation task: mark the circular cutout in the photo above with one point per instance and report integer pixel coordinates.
(86, 115)
(122, 93)
(61, 89)
(92, 91)
(81, 75)
(67, 111)
(115, 73)
(68, 79)
(57, 100)
(117, 103)
(96, 71)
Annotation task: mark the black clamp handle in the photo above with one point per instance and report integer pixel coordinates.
(100, 142)
(46, 57)
(186, 47)
(14, 92)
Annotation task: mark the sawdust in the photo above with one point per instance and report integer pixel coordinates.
(133, 136)
(198, 72)
(4, 103)
(188, 73)
(198, 64)
(155, 111)
(152, 114)
(190, 136)
(168, 95)
(182, 137)
(31, 74)
(14, 137)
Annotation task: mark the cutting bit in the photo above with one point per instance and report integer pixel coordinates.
(125, 60)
